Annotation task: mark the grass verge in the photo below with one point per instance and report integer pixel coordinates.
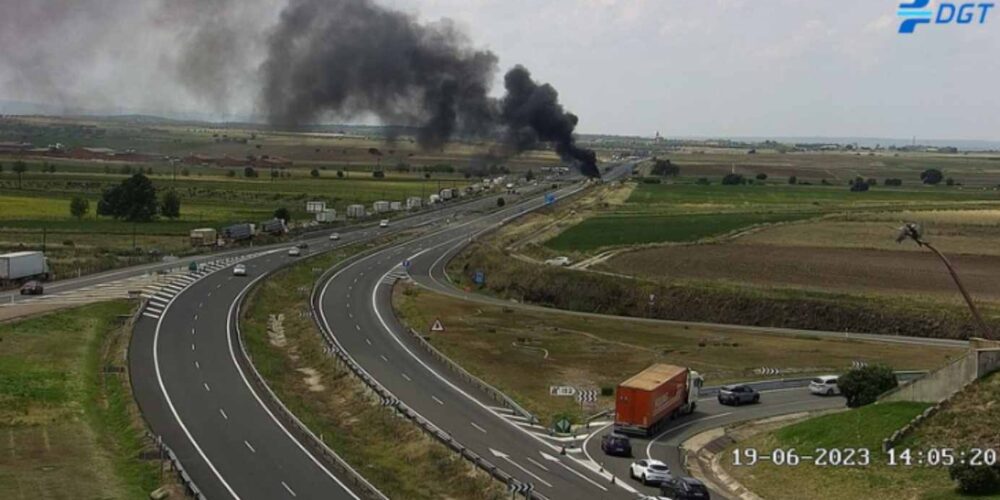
(393, 454)
(859, 428)
(524, 352)
(66, 426)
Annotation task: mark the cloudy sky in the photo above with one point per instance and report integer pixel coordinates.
(680, 67)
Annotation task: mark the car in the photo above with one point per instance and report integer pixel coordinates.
(684, 488)
(738, 394)
(32, 288)
(616, 444)
(294, 252)
(649, 471)
(334, 236)
(825, 385)
(561, 260)
(383, 223)
(239, 270)
(303, 245)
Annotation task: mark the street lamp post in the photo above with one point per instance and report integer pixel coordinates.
(915, 232)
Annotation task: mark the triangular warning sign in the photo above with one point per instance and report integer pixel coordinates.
(437, 326)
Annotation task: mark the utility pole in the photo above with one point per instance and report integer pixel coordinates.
(915, 233)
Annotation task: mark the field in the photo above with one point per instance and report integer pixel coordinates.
(34, 207)
(65, 426)
(523, 352)
(396, 456)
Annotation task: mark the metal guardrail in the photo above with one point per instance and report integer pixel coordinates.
(789, 383)
(334, 347)
(303, 434)
(493, 392)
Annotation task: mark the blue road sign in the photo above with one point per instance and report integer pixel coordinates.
(550, 198)
(480, 277)
(406, 263)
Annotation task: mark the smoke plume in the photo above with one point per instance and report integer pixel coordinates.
(349, 58)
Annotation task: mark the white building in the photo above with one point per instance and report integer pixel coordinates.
(413, 202)
(326, 216)
(395, 206)
(380, 206)
(355, 211)
(315, 207)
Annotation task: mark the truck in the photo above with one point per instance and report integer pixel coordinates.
(647, 401)
(203, 237)
(237, 232)
(17, 267)
(274, 226)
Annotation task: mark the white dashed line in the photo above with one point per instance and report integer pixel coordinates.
(368, 341)
(480, 429)
(223, 413)
(249, 446)
(383, 358)
(207, 388)
(197, 365)
(290, 492)
(357, 327)
(192, 346)
(438, 401)
(407, 377)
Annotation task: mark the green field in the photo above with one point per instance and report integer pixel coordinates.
(66, 426)
(684, 212)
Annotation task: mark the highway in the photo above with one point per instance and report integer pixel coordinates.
(192, 385)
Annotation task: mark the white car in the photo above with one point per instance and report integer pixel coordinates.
(649, 471)
(294, 252)
(334, 236)
(825, 385)
(383, 223)
(239, 270)
(562, 260)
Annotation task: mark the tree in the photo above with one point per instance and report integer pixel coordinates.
(501, 202)
(249, 172)
(1, 168)
(314, 173)
(859, 185)
(862, 386)
(340, 174)
(133, 200)
(170, 206)
(230, 173)
(949, 181)
(283, 214)
(733, 180)
(19, 168)
(893, 182)
(931, 176)
(762, 176)
(793, 180)
(378, 174)
(664, 168)
(529, 175)
(78, 207)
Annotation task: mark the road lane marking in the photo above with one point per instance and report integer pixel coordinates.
(196, 317)
(357, 327)
(551, 458)
(480, 429)
(649, 447)
(350, 315)
(438, 401)
(249, 446)
(192, 346)
(223, 413)
(207, 388)
(383, 358)
(407, 377)
(506, 457)
(368, 341)
(289, 490)
(536, 464)
(197, 365)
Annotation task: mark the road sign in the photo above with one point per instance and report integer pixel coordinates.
(437, 326)
(406, 263)
(550, 198)
(561, 390)
(479, 278)
(563, 426)
(586, 396)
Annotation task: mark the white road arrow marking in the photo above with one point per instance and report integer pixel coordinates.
(500, 454)
(550, 458)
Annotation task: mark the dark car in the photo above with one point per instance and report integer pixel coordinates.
(303, 245)
(616, 444)
(32, 288)
(738, 394)
(684, 488)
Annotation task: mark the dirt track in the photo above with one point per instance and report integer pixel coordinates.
(820, 268)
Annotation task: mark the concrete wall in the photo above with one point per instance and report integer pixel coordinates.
(940, 384)
(988, 362)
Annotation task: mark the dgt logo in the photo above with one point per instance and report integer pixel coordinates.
(917, 12)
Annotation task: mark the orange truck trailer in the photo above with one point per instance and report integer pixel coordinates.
(651, 398)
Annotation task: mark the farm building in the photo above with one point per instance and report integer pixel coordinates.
(315, 207)
(326, 216)
(355, 211)
(380, 206)
(395, 206)
(413, 202)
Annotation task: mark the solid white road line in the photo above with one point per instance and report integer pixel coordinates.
(649, 447)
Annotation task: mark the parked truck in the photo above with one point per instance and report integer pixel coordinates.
(238, 232)
(17, 267)
(645, 403)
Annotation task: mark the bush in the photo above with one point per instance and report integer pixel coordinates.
(931, 176)
(975, 479)
(651, 180)
(665, 168)
(733, 180)
(703, 181)
(862, 386)
(283, 214)
(340, 174)
(378, 174)
(793, 180)
(893, 182)
(762, 176)
(249, 172)
(501, 202)
(314, 173)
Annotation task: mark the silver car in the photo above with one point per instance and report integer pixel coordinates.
(738, 394)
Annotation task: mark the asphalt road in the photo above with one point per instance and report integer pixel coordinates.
(191, 384)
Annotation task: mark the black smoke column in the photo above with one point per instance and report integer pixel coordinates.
(532, 114)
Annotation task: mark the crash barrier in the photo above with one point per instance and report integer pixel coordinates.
(303, 435)
(493, 392)
(334, 348)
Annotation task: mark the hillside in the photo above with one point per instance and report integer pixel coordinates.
(967, 421)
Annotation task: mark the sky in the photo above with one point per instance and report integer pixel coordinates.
(684, 68)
